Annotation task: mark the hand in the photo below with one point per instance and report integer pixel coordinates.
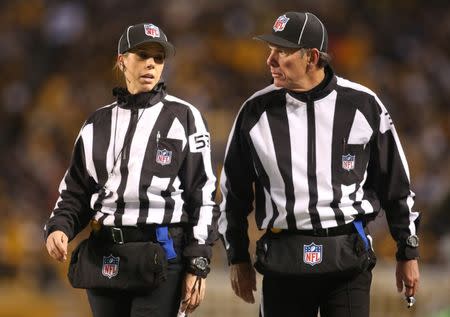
(407, 274)
(57, 245)
(243, 281)
(193, 292)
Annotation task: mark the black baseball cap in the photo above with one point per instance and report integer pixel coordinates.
(297, 30)
(135, 35)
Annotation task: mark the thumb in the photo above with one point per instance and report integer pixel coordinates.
(64, 238)
(399, 284)
(64, 241)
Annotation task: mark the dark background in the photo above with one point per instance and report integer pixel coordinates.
(56, 60)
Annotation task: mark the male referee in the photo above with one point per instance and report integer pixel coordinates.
(318, 153)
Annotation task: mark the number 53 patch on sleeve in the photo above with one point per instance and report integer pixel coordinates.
(199, 142)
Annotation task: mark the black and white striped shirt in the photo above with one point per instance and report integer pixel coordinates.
(313, 160)
(145, 159)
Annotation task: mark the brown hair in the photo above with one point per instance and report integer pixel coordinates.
(118, 73)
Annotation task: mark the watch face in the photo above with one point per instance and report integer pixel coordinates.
(200, 263)
(413, 241)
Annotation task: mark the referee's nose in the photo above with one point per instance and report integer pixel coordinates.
(272, 59)
(150, 62)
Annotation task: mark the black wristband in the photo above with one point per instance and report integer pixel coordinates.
(405, 253)
(198, 272)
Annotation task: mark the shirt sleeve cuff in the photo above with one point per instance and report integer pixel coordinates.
(243, 257)
(52, 228)
(195, 250)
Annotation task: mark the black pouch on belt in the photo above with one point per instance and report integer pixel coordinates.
(97, 264)
(290, 254)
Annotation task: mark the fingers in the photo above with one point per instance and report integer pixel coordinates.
(202, 289)
(236, 286)
(243, 281)
(57, 245)
(244, 289)
(407, 277)
(193, 293)
(62, 245)
(188, 305)
(411, 288)
(194, 302)
(399, 283)
(247, 296)
(253, 279)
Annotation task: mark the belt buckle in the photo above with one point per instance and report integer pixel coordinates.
(117, 235)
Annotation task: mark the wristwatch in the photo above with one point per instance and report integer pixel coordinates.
(199, 266)
(412, 241)
(200, 263)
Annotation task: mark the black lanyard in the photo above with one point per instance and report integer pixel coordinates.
(126, 142)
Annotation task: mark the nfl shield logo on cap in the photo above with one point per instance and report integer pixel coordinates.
(312, 254)
(110, 266)
(151, 30)
(280, 23)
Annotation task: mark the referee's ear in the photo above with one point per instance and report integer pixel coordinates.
(313, 56)
(120, 63)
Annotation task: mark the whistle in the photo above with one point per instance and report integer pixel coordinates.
(410, 300)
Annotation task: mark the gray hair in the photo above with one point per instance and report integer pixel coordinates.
(324, 58)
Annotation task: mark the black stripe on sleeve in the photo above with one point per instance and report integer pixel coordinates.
(100, 144)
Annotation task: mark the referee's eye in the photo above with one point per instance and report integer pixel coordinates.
(158, 57)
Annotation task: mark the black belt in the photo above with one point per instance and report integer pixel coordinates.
(125, 234)
(323, 232)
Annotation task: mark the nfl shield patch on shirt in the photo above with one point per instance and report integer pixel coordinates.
(163, 157)
(110, 266)
(312, 254)
(348, 162)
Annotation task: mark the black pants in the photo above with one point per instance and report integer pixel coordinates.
(161, 302)
(302, 297)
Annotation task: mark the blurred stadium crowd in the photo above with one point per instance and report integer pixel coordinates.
(56, 62)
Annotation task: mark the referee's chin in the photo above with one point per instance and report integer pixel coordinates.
(279, 82)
